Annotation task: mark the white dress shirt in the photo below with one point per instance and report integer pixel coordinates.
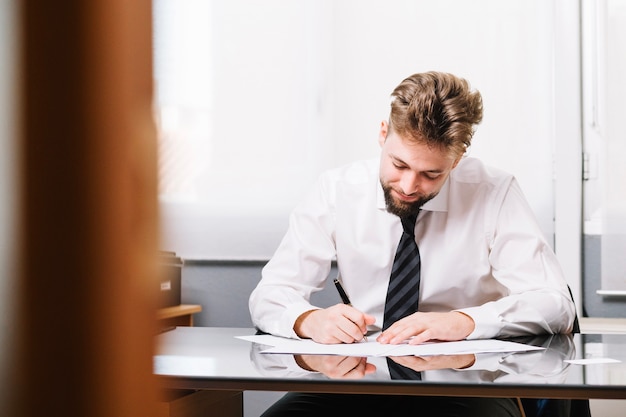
(482, 253)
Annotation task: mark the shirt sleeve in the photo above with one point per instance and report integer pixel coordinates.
(299, 266)
(538, 299)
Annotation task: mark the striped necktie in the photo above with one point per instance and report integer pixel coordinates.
(403, 291)
(401, 372)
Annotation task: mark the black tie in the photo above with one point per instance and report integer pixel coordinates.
(404, 283)
(397, 371)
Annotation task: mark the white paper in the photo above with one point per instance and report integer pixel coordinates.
(373, 348)
(592, 361)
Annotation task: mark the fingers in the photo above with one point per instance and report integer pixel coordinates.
(422, 327)
(354, 368)
(337, 367)
(429, 363)
(353, 322)
(424, 336)
(337, 324)
(350, 367)
(347, 331)
(343, 323)
(404, 333)
(401, 331)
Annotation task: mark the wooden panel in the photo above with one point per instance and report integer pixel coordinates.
(88, 227)
(201, 404)
(177, 311)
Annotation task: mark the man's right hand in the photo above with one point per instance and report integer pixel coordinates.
(340, 323)
(336, 367)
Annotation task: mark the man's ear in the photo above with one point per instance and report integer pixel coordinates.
(384, 130)
(456, 162)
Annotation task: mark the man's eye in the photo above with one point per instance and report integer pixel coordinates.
(432, 176)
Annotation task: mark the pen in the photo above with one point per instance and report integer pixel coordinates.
(344, 296)
(342, 292)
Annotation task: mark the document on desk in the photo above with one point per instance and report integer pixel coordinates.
(372, 348)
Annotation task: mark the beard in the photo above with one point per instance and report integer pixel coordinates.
(402, 208)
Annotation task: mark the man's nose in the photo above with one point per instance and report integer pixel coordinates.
(409, 183)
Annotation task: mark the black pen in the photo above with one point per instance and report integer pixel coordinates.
(342, 292)
(344, 296)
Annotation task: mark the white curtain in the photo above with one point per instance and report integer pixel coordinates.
(285, 89)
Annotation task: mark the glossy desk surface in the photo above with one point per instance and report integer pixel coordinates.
(204, 358)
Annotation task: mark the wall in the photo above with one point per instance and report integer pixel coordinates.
(223, 288)
(596, 305)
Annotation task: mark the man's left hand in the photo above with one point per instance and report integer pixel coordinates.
(421, 327)
(431, 363)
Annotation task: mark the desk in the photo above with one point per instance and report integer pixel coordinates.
(180, 315)
(212, 359)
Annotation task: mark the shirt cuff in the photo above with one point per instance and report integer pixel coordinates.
(290, 316)
(487, 321)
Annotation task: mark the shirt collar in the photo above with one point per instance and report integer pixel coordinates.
(380, 195)
(440, 201)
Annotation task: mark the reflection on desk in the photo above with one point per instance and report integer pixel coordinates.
(212, 358)
(545, 366)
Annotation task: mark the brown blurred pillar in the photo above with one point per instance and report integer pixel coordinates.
(88, 210)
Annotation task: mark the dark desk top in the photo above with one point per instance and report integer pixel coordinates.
(213, 359)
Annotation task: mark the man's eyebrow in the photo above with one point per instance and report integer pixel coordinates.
(396, 159)
(400, 161)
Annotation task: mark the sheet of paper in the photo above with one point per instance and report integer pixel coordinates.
(309, 347)
(592, 361)
(373, 348)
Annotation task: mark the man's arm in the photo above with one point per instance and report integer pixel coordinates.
(299, 266)
(537, 300)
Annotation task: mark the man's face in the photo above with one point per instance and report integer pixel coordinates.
(410, 173)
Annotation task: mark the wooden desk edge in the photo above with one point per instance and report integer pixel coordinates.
(179, 310)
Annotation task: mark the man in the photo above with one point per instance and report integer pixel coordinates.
(481, 268)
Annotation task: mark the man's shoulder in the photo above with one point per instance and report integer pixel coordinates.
(473, 170)
(351, 183)
(355, 173)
